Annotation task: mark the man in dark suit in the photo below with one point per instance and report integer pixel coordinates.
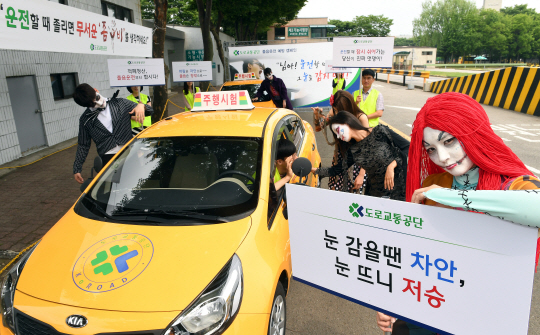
(107, 122)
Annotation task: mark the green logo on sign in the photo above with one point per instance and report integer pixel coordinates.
(356, 210)
(92, 47)
(119, 262)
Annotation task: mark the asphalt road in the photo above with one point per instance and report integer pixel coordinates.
(314, 312)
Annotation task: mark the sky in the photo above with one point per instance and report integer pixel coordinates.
(403, 12)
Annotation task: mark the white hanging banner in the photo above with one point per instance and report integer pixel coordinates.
(41, 25)
(431, 266)
(135, 72)
(360, 52)
(329, 68)
(192, 71)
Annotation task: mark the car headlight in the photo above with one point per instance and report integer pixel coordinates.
(7, 294)
(215, 308)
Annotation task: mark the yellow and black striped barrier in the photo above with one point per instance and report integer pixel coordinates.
(421, 74)
(513, 88)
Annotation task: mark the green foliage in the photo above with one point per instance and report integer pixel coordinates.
(179, 12)
(371, 25)
(404, 42)
(458, 28)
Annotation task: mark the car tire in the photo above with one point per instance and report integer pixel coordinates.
(278, 315)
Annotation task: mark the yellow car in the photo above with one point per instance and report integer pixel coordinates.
(182, 233)
(251, 85)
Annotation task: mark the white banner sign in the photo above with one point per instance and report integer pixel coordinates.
(222, 100)
(301, 67)
(361, 52)
(447, 270)
(48, 26)
(135, 72)
(330, 69)
(192, 71)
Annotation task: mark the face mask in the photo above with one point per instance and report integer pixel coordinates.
(342, 131)
(269, 77)
(100, 101)
(446, 151)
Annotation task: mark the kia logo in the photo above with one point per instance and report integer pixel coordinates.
(76, 321)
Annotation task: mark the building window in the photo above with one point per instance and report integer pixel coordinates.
(427, 53)
(318, 32)
(280, 33)
(119, 12)
(428, 61)
(63, 85)
(63, 2)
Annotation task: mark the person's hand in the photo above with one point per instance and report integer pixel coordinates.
(359, 181)
(290, 172)
(78, 178)
(133, 118)
(358, 98)
(418, 196)
(313, 170)
(284, 104)
(255, 99)
(139, 113)
(316, 111)
(385, 322)
(389, 176)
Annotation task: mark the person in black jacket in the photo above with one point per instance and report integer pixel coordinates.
(107, 122)
(275, 88)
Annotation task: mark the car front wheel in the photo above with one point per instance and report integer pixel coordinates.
(278, 314)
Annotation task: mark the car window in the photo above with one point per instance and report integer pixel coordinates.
(251, 88)
(205, 175)
(290, 128)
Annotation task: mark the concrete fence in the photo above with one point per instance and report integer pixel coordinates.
(513, 88)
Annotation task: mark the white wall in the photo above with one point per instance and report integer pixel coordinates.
(60, 118)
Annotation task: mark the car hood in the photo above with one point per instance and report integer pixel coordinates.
(123, 267)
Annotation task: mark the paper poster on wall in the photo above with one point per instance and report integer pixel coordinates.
(301, 66)
(134, 72)
(361, 52)
(48, 26)
(192, 71)
(431, 266)
(329, 68)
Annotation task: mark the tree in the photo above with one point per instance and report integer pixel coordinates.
(494, 33)
(371, 25)
(444, 24)
(204, 7)
(404, 42)
(179, 12)
(518, 9)
(521, 36)
(158, 50)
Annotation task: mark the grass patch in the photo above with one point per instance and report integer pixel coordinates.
(449, 74)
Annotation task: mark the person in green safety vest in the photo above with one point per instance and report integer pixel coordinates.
(370, 101)
(136, 96)
(189, 90)
(338, 83)
(285, 156)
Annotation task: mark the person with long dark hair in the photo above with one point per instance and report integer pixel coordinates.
(374, 150)
(342, 101)
(189, 94)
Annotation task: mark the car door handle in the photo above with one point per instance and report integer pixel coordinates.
(38, 111)
(313, 147)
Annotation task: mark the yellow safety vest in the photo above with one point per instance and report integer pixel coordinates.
(147, 120)
(191, 98)
(369, 106)
(277, 177)
(339, 85)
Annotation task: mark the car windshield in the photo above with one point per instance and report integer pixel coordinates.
(251, 88)
(199, 179)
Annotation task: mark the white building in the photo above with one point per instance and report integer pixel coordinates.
(493, 4)
(405, 56)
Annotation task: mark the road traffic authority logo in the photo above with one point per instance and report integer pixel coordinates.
(112, 262)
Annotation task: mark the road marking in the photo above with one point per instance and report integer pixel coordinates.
(399, 132)
(533, 169)
(410, 108)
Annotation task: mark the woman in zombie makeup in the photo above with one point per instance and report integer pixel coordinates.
(455, 158)
(371, 148)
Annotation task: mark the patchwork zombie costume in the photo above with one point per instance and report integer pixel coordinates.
(495, 183)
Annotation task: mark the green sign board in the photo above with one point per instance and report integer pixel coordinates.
(194, 55)
(298, 31)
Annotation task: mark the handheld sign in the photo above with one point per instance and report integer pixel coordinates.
(245, 76)
(431, 266)
(331, 69)
(358, 52)
(222, 100)
(135, 72)
(192, 71)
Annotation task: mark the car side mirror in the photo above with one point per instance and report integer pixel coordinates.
(302, 168)
(98, 164)
(85, 184)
